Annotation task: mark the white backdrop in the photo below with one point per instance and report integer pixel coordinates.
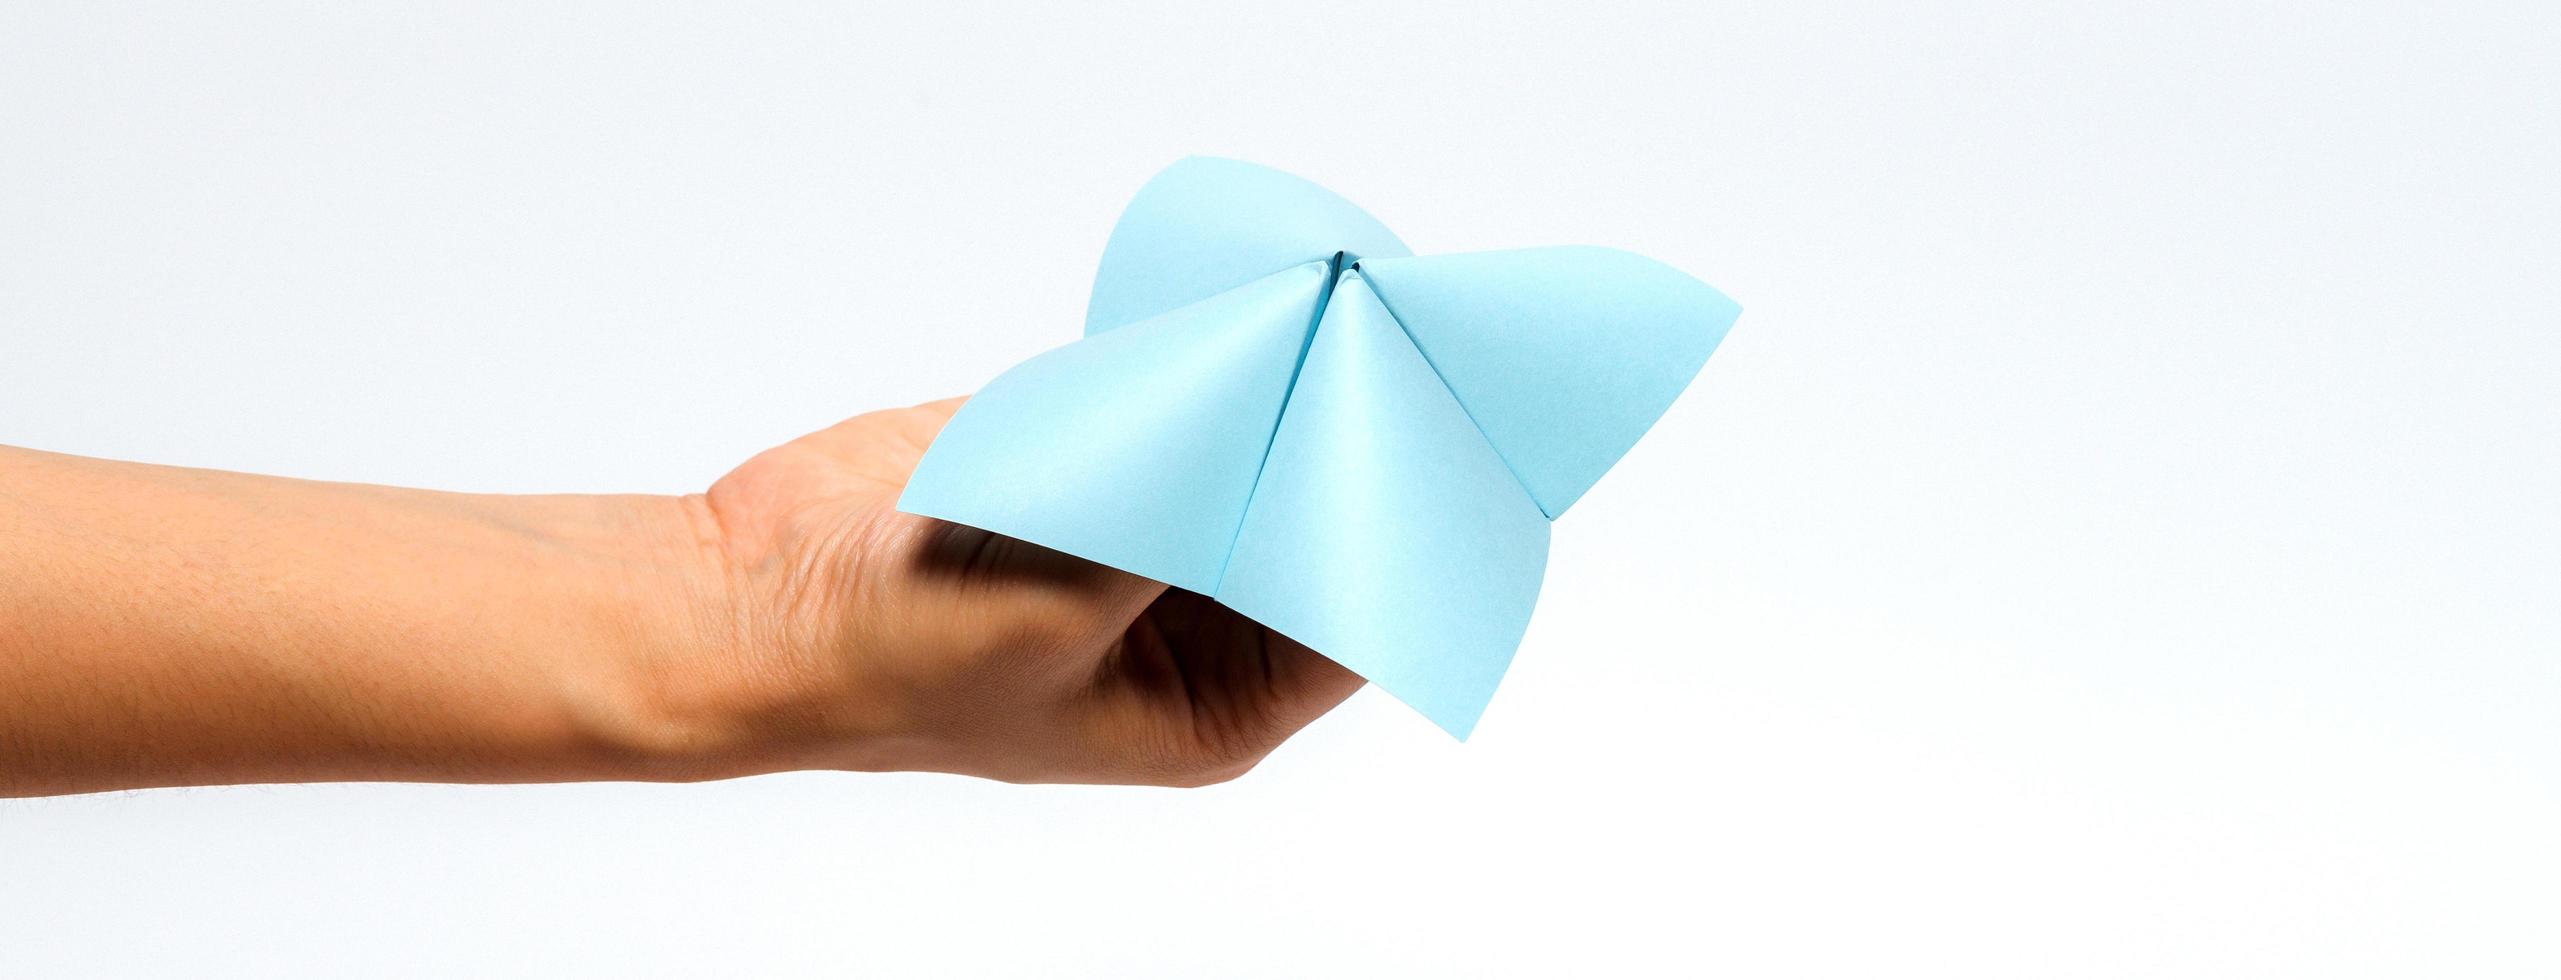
(2117, 540)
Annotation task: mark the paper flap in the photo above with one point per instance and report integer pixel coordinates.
(1385, 532)
(1563, 356)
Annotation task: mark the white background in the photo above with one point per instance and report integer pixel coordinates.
(2119, 538)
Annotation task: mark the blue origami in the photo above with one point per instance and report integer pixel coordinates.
(1277, 405)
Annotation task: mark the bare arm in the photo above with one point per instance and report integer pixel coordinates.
(172, 626)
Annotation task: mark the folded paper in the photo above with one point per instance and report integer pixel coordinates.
(1277, 405)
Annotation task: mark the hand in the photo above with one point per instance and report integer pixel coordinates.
(864, 638)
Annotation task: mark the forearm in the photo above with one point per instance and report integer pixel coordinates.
(164, 626)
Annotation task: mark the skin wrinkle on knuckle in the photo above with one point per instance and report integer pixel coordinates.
(1214, 775)
(1203, 764)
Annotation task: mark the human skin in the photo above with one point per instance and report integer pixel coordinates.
(175, 627)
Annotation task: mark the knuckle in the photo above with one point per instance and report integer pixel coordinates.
(1207, 775)
(1225, 766)
(1192, 765)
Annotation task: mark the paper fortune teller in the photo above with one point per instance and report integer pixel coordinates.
(1278, 406)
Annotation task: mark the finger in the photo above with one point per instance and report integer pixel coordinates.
(1305, 684)
(1022, 589)
(1241, 677)
(1097, 600)
(1271, 691)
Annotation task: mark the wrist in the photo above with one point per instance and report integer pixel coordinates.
(651, 641)
(718, 670)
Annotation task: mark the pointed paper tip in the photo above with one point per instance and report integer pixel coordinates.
(1459, 720)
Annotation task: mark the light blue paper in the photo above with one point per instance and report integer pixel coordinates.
(1385, 532)
(1277, 406)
